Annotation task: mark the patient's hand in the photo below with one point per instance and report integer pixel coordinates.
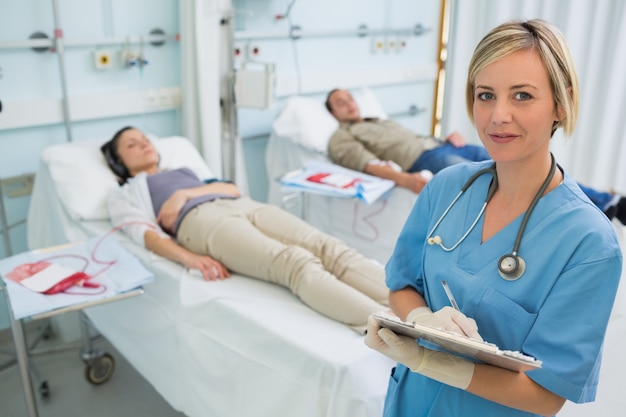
(210, 269)
(456, 139)
(414, 181)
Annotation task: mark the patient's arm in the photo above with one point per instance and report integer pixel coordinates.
(413, 181)
(173, 205)
(166, 247)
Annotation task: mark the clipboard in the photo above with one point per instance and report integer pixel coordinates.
(458, 344)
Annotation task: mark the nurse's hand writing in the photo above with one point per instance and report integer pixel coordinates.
(210, 269)
(447, 319)
(401, 349)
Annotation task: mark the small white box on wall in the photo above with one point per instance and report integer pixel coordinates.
(255, 88)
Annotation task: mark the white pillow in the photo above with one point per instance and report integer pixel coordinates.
(83, 180)
(369, 104)
(306, 121)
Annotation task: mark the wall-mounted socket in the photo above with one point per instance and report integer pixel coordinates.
(161, 98)
(253, 51)
(378, 44)
(400, 44)
(103, 59)
(238, 53)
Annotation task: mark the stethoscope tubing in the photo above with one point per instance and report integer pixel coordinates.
(492, 189)
(468, 183)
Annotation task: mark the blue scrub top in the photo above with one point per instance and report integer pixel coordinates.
(557, 311)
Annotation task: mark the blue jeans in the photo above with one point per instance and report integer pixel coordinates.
(447, 154)
(599, 198)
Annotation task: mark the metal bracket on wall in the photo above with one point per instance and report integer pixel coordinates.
(19, 186)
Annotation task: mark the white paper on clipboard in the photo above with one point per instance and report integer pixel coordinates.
(455, 343)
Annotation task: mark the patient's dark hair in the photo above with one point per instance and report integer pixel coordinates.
(112, 156)
(327, 102)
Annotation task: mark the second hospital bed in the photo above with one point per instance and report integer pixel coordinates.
(240, 347)
(300, 134)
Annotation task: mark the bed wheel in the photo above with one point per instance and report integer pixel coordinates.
(100, 369)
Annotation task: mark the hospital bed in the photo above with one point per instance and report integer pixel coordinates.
(239, 347)
(300, 133)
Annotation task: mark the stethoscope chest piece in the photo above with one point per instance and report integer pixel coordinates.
(511, 267)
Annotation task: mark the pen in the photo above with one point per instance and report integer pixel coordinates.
(450, 296)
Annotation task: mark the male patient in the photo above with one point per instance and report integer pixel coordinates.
(386, 149)
(375, 146)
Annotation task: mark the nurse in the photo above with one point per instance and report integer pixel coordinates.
(521, 87)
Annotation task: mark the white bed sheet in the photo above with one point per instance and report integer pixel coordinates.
(239, 348)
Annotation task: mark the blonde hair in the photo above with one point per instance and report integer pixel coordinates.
(550, 44)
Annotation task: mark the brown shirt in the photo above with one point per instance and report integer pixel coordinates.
(353, 145)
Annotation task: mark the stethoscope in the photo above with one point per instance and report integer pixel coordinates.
(510, 266)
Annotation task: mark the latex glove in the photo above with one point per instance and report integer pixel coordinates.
(440, 366)
(400, 348)
(447, 319)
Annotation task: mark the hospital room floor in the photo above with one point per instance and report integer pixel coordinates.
(126, 394)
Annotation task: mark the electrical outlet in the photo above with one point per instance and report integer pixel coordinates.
(253, 50)
(150, 99)
(161, 98)
(103, 59)
(401, 44)
(238, 53)
(378, 45)
(164, 98)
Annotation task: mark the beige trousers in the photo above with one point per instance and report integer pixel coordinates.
(263, 241)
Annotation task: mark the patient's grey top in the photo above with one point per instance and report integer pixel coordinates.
(163, 184)
(353, 145)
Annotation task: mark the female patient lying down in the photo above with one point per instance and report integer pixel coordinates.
(209, 226)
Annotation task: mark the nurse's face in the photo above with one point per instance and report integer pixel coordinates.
(343, 106)
(514, 108)
(137, 152)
